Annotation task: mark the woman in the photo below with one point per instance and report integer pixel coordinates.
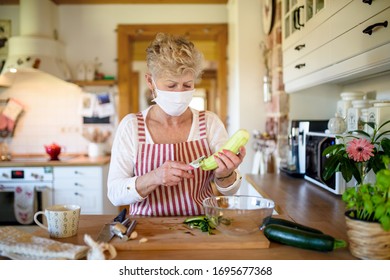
(152, 149)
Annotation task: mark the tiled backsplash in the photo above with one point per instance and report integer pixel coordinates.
(51, 114)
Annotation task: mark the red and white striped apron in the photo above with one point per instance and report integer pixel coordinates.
(184, 199)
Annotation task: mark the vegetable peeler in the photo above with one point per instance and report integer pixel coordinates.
(197, 163)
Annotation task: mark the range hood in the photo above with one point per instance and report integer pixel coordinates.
(37, 46)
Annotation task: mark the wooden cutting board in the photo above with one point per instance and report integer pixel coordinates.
(167, 233)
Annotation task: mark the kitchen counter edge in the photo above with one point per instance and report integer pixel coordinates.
(78, 160)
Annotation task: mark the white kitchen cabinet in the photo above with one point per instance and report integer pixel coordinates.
(338, 49)
(85, 186)
(301, 17)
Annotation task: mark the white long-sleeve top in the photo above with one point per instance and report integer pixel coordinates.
(121, 177)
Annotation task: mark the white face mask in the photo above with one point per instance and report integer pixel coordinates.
(174, 103)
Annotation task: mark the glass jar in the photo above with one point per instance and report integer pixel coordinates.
(337, 125)
(379, 113)
(354, 114)
(346, 102)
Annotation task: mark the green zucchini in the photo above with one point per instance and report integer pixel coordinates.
(302, 239)
(279, 221)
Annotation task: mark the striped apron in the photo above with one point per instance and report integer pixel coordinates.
(184, 199)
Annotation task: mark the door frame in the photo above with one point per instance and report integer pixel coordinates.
(127, 34)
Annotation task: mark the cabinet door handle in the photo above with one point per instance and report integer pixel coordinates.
(299, 16)
(369, 2)
(296, 20)
(300, 65)
(369, 29)
(76, 194)
(299, 47)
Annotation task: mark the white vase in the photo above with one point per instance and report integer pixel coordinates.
(96, 149)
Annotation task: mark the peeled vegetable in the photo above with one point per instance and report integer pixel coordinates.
(239, 139)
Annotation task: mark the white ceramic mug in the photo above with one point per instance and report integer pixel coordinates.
(62, 220)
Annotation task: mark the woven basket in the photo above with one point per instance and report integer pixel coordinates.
(367, 240)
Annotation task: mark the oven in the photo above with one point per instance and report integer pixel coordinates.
(13, 180)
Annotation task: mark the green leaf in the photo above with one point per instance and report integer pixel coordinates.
(381, 135)
(376, 163)
(385, 222)
(331, 166)
(380, 211)
(385, 144)
(383, 124)
(331, 150)
(371, 124)
(358, 131)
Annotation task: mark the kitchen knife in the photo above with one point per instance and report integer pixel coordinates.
(106, 234)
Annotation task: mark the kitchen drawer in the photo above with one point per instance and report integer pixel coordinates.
(341, 22)
(90, 202)
(359, 42)
(310, 63)
(308, 44)
(94, 184)
(354, 14)
(78, 172)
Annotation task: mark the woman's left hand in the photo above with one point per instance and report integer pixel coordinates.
(228, 162)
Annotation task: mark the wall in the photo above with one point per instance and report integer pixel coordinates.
(89, 32)
(246, 107)
(50, 114)
(329, 94)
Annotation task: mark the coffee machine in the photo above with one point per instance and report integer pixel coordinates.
(295, 162)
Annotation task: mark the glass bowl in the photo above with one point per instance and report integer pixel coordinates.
(238, 214)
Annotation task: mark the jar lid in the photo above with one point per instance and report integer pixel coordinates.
(361, 103)
(380, 103)
(352, 95)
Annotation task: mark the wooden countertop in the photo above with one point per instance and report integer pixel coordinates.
(92, 224)
(64, 160)
(296, 199)
(303, 202)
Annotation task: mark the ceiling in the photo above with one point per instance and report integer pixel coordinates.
(73, 2)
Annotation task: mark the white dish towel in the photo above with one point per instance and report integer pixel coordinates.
(24, 204)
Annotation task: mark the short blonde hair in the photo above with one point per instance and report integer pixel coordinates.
(170, 55)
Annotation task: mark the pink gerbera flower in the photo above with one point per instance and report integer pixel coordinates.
(360, 149)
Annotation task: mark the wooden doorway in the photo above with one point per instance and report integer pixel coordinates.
(128, 35)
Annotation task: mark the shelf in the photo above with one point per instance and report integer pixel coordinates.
(95, 83)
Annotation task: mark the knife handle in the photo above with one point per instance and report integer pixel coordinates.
(121, 216)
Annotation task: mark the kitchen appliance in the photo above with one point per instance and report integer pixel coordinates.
(315, 144)
(37, 47)
(41, 178)
(295, 165)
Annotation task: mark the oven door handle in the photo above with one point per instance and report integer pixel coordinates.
(319, 159)
(38, 188)
(42, 188)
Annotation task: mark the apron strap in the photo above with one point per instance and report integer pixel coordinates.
(202, 124)
(141, 128)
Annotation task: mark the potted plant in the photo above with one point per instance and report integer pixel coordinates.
(367, 203)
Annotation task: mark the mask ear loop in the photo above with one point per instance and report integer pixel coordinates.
(154, 94)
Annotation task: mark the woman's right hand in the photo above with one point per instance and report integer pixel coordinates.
(171, 173)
